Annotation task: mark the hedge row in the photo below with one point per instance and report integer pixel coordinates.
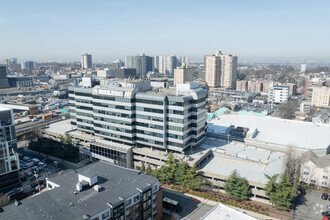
(202, 195)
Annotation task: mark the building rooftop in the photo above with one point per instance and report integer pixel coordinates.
(251, 162)
(60, 203)
(60, 127)
(221, 211)
(290, 133)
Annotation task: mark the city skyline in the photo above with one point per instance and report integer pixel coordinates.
(112, 30)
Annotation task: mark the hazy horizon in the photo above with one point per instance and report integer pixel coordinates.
(109, 30)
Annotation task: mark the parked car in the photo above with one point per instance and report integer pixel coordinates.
(42, 165)
(27, 159)
(28, 165)
(326, 214)
(324, 196)
(301, 190)
(35, 161)
(37, 188)
(21, 196)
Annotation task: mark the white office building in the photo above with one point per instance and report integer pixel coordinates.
(134, 113)
(278, 94)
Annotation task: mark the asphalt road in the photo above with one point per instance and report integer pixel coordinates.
(310, 206)
(41, 122)
(190, 208)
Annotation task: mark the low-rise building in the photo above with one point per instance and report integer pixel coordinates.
(305, 107)
(278, 94)
(98, 191)
(315, 169)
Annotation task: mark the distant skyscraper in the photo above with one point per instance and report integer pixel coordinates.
(11, 62)
(150, 64)
(117, 64)
(213, 69)
(130, 61)
(28, 65)
(228, 71)
(86, 61)
(303, 68)
(183, 74)
(3, 78)
(221, 70)
(141, 65)
(9, 163)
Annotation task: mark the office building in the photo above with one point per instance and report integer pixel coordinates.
(98, 191)
(3, 78)
(20, 82)
(11, 62)
(86, 61)
(321, 97)
(125, 73)
(9, 162)
(228, 71)
(213, 70)
(105, 73)
(278, 94)
(29, 65)
(183, 74)
(133, 113)
(130, 61)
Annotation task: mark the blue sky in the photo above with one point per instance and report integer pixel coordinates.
(64, 29)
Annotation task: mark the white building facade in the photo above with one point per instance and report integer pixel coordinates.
(278, 94)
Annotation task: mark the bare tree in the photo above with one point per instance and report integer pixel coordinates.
(292, 165)
(288, 109)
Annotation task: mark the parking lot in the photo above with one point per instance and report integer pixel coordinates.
(310, 206)
(191, 209)
(29, 182)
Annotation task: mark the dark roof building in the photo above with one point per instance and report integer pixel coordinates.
(96, 191)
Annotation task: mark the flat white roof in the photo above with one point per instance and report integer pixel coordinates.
(60, 127)
(221, 211)
(305, 135)
(250, 162)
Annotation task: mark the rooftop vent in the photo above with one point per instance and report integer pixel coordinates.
(97, 188)
(86, 216)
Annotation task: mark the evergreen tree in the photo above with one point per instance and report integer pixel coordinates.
(280, 194)
(148, 169)
(237, 187)
(143, 168)
(284, 194)
(271, 187)
(180, 173)
(170, 168)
